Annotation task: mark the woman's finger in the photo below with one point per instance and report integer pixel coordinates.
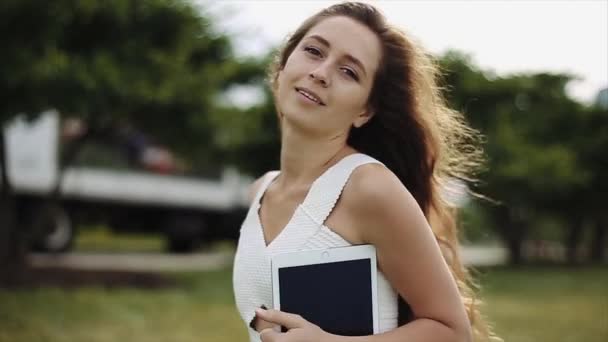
(269, 335)
(288, 320)
(261, 324)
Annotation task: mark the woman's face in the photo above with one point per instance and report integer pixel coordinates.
(325, 84)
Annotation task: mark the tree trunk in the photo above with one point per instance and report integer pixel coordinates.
(12, 239)
(512, 232)
(573, 239)
(598, 242)
(514, 245)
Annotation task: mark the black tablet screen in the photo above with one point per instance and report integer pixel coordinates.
(336, 296)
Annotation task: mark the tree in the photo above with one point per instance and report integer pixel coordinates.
(534, 134)
(157, 64)
(591, 144)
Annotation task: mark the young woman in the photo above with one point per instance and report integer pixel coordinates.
(367, 143)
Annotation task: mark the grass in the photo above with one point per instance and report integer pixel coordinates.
(548, 304)
(528, 304)
(102, 239)
(200, 309)
(525, 304)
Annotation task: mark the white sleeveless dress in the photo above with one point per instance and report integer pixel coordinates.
(304, 231)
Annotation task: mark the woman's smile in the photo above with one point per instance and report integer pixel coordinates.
(309, 96)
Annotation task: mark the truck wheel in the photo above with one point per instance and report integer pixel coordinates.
(184, 234)
(53, 230)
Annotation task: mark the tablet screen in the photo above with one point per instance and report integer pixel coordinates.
(336, 296)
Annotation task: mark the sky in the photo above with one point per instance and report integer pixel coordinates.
(504, 37)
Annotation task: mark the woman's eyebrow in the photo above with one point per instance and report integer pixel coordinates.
(324, 41)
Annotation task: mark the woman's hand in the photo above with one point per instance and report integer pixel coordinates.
(298, 329)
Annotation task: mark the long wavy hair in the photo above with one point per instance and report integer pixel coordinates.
(413, 132)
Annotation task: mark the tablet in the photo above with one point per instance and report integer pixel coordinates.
(333, 288)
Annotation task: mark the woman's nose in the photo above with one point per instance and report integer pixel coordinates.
(319, 75)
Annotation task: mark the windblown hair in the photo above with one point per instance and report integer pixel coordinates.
(413, 132)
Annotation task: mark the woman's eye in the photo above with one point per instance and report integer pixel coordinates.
(313, 51)
(350, 73)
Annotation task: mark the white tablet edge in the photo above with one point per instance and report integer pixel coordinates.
(322, 256)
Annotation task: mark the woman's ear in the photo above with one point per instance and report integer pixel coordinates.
(363, 118)
(275, 80)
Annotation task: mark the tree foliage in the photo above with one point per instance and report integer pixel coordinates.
(542, 147)
(158, 64)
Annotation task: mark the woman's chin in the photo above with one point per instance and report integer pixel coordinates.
(300, 121)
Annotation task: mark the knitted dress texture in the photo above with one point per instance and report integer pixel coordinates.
(305, 230)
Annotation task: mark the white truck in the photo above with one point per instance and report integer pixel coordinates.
(187, 210)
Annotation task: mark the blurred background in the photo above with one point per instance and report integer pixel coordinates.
(133, 128)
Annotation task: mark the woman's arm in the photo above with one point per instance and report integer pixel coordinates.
(388, 216)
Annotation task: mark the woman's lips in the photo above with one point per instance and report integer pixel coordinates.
(310, 95)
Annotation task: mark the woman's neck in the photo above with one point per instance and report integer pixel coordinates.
(304, 159)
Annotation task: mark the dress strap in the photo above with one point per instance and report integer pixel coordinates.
(268, 178)
(326, 190)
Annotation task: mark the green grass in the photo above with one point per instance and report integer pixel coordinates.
(529, 304)
(548, 304)
(200, 309)
(102, 239)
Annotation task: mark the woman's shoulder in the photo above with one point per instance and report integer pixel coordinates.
(374, 181)
(374, 194)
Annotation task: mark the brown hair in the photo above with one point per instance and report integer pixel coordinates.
(412, 132)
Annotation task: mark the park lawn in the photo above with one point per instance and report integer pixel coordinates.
(548, 304)
(527, 304)
(200, 308)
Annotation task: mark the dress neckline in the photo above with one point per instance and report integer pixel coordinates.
(272, 178)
